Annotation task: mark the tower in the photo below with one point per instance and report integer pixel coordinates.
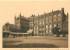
(17, 22)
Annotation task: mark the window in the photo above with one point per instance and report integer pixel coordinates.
(50, 19)
(59, 18)
(46, 26)
(47, 20)
(55, 18)
(59, 14)
(55, 25)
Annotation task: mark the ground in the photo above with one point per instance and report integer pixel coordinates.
(35, 42)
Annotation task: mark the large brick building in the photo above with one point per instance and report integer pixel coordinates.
(42, 24)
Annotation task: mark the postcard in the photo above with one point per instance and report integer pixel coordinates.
(34, 24)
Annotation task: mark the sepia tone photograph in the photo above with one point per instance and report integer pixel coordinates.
(35, 24)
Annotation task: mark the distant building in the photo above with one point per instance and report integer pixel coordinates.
(42, 24)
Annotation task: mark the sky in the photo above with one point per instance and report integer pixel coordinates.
(11, 8)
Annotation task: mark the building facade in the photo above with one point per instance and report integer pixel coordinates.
(21, 23)
(43, 24)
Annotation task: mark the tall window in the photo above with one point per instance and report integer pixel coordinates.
(46, 29)
(47, 19)
(55, 18)
(50, 19)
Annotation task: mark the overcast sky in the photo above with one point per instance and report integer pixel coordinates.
(10, 9)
